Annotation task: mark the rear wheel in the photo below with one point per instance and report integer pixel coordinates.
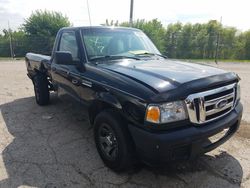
(113, 141)
(41, 89)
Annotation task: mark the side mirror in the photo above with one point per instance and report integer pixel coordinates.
(63, 58)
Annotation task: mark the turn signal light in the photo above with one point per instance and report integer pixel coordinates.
(153, 114)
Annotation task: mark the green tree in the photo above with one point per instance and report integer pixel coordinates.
(239, 47)
(154, 30)
(213, 28)
(185, 42)
(172, 34)
(176, 40)
(227, 42)
(247, 44)
(4, 44)
(199, 41)
(41, 28)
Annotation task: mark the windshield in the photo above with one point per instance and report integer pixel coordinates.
(110, 42)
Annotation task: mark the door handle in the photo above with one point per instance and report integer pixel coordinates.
(74, 81)
(65, 71)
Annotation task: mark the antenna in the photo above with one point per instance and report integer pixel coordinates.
(89, 13)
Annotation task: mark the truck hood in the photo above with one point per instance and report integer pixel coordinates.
(161, 75)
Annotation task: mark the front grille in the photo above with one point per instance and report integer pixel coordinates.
(209, 105)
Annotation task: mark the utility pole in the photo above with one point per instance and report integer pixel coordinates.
(10, 39)
(131, 13)
(217, 44)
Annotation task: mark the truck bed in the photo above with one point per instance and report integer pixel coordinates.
(37, 62)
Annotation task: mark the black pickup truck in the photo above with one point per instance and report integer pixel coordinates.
(141, 104)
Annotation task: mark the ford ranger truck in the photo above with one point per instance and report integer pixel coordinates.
(141, 104)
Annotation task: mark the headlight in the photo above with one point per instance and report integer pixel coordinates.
(238, 92)
(166, 112)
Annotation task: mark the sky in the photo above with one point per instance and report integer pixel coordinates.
(233, 13)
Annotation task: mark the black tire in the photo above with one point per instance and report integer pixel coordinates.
(41, 89)
(123, 158)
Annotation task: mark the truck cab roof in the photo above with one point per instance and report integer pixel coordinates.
(98, 27)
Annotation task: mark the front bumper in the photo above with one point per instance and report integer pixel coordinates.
(186, 143)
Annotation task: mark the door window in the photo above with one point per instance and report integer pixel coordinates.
(68, 43)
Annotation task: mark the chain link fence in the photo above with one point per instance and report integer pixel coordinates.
(19, 47)
(175, 46)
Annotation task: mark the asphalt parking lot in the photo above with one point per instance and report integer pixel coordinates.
(53, 146)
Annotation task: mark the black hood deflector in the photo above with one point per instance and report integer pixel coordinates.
(195, 86)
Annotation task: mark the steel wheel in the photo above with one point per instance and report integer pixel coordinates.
(113, 141)
(108, 141)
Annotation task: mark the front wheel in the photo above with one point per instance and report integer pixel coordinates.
(41, 89)
(113, 141)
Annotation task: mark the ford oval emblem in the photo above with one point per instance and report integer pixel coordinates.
(222, 103)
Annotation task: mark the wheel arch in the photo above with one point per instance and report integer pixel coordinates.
(104, 101)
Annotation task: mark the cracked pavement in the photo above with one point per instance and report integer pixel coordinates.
(53, 146)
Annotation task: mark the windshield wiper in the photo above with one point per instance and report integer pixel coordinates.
(112, 57)
(152, 54)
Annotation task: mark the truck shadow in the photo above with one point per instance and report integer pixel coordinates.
(53, 146)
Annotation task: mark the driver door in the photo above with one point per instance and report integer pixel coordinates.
(65, 76)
